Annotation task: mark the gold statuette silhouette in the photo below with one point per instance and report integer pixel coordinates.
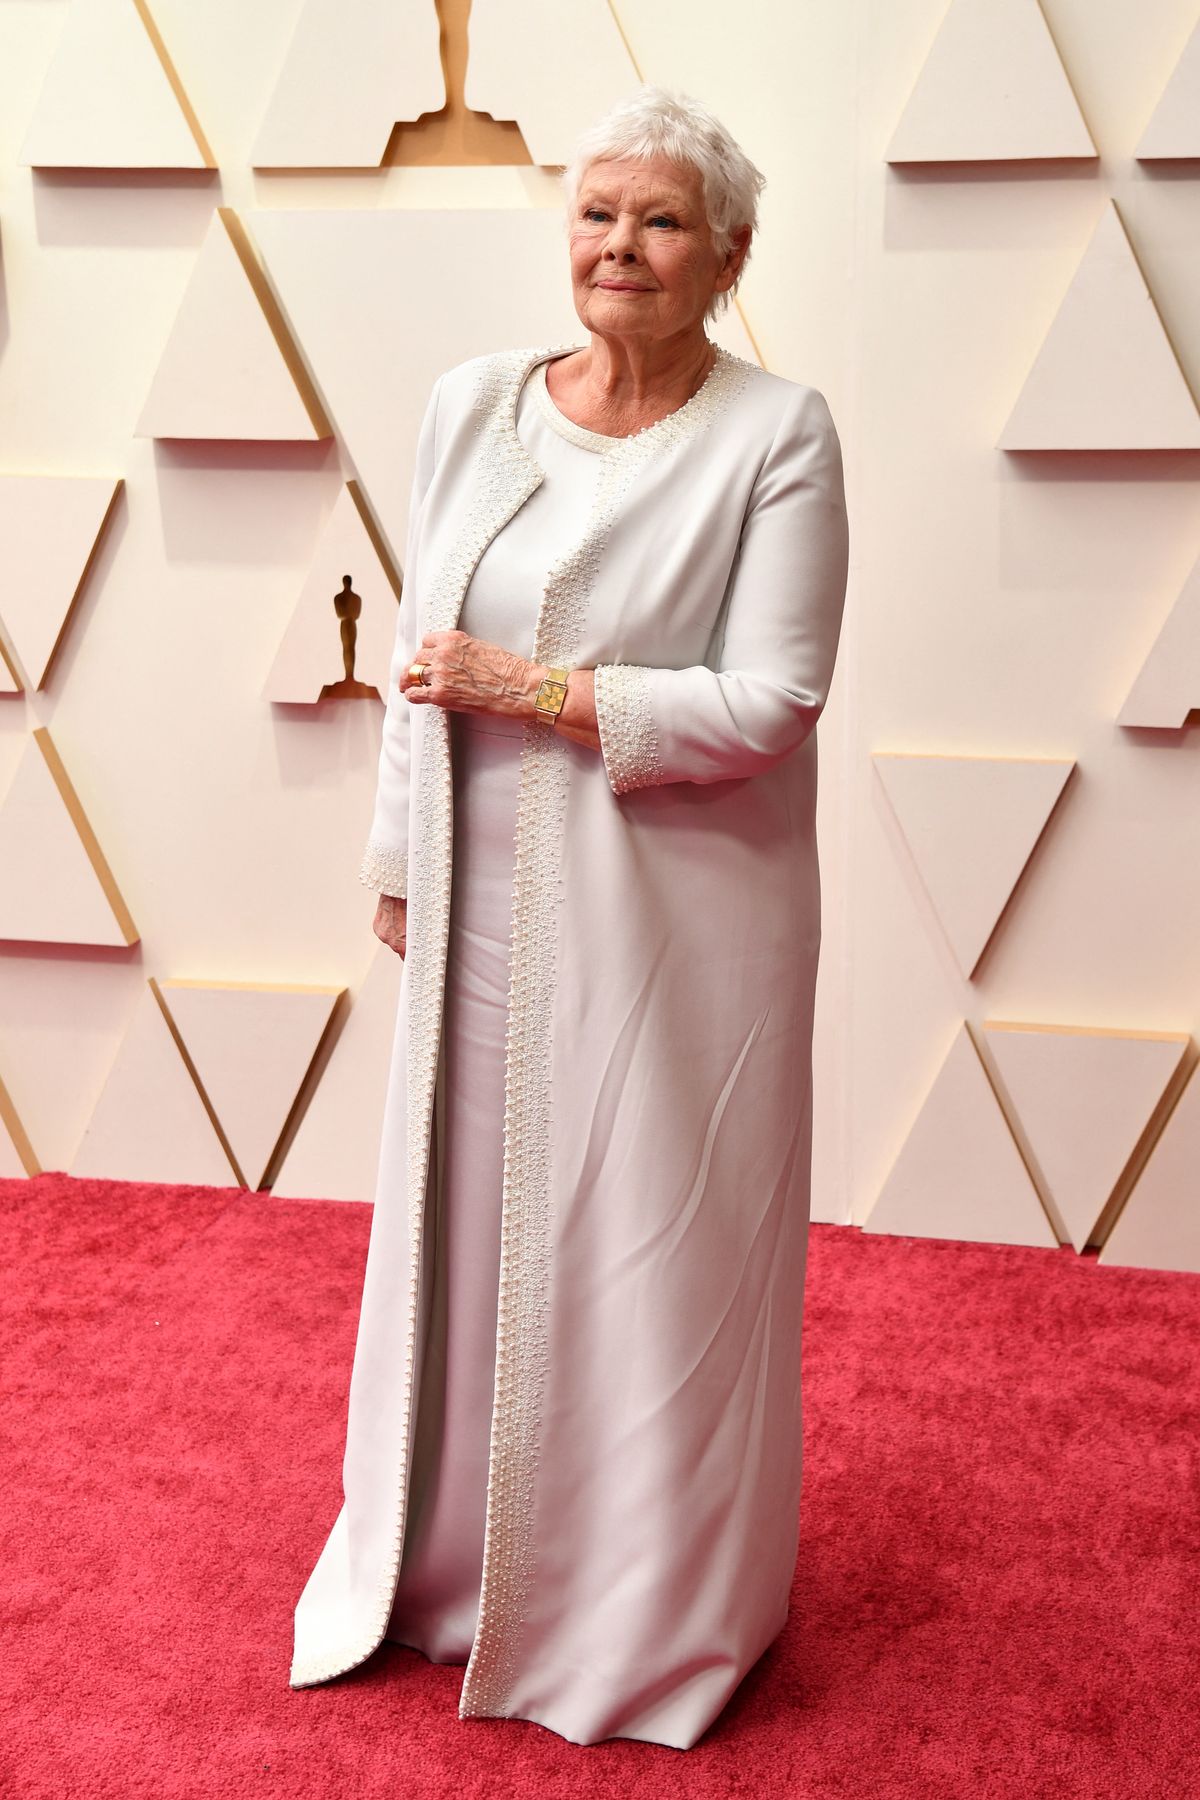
(348, 606)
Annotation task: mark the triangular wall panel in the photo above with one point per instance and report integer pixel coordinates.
(150, 1121)
(1106, 376)
(310, 653)
(230, 368)
(112, 98)
(1083, 1097)
(514, 42)
(971, 823)
(1167, 687)
(335, 1152)
(959, 1173)
(993, 89)
(50, 528)
(250, 1046)
(1174, 129)
(352, 70)
(1159, 1224)
(55, 882)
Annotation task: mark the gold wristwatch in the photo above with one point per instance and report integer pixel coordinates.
(548, 700)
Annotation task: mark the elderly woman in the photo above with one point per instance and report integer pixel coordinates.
(573, 1459)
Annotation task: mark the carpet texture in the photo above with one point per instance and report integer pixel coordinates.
(996, 1593)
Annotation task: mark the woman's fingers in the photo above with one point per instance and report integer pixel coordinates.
(390, 924)
(407, 678)
(409, 684)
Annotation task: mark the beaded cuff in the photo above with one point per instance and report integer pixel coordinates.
(385, 870)
(628, 739)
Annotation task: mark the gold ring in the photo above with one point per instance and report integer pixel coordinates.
(417, 671)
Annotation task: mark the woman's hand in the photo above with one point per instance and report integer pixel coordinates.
(467, 674)
(391, 922)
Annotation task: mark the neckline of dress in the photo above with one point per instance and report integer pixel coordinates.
(599, 440)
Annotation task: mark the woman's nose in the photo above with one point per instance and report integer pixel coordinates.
(622, 243)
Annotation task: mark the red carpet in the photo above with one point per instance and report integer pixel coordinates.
(999, 1569)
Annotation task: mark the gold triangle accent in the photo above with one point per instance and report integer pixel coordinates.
(10, 1119)
(199, 1086)
(264, 293)
(87, 836)
(177, 87)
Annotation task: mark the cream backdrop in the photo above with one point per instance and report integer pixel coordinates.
(1010, 827)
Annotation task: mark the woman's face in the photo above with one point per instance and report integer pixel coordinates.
(642, 258)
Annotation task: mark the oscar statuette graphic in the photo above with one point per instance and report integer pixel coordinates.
(348, 606)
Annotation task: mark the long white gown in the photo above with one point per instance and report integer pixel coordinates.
(660, 910)
(436, 1607)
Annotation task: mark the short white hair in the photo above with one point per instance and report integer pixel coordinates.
(660, 121)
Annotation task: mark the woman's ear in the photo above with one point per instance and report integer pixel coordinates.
(735, 256)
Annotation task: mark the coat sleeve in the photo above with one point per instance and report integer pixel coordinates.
(385, 860)
(782, 623)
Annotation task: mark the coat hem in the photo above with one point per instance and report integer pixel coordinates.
(311, 1672)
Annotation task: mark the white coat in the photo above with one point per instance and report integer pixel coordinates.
(645, 1472)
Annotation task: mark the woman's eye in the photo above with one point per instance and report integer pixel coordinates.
(591, 213)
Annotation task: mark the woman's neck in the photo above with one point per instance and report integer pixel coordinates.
(621, 385)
